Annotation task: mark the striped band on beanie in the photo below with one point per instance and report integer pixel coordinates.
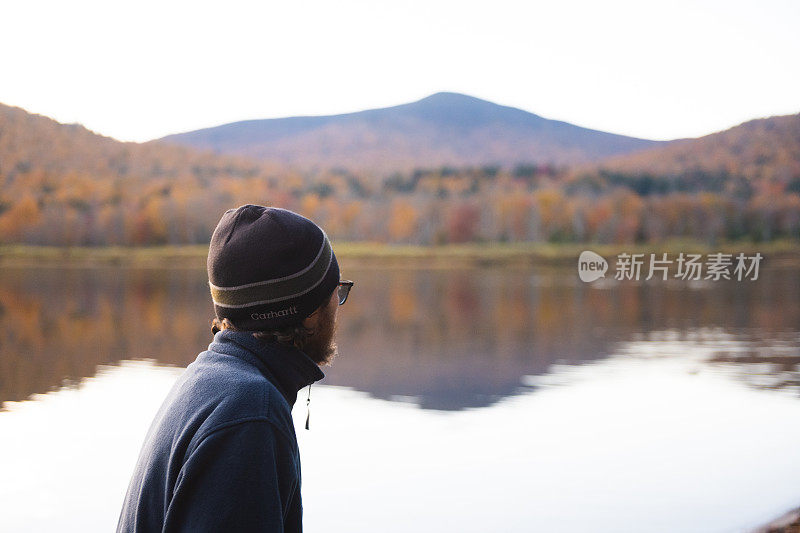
(269, 268)
(276, 290)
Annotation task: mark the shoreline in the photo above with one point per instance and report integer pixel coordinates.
(372, 254)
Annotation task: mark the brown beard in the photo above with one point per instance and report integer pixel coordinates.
(318, 344)
(321, 346)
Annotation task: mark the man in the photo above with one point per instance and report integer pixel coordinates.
(221, 454)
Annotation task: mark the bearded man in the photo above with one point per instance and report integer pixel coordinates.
(221, 454)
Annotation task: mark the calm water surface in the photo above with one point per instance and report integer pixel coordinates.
(463, 400)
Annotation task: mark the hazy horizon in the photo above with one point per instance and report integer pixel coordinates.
(141, 72)
(251, 119)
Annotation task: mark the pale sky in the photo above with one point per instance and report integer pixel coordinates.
(138, 70)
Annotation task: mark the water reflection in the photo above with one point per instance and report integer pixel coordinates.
(445, 340)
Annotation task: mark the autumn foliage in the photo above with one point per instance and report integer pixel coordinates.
(64, 185)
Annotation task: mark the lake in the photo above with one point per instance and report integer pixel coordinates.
(469, 399)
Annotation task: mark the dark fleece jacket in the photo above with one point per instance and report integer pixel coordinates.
(221, 454)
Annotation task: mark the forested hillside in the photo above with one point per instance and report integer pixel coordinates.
(763, 152)
(64, 185)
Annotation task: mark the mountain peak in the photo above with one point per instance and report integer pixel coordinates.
(445, 128)
(466, 113)
(444, 98)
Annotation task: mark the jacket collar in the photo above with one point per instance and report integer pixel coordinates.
(288, 368)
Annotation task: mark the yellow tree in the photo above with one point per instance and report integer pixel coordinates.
(402, 221)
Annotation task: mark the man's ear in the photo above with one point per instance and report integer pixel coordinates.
(311, 321)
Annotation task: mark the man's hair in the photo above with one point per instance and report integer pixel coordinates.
(296, 335)
(317, 343)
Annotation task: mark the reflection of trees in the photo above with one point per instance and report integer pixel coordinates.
(772, 366)
(456, 339)
(59, 324)
(451, 339)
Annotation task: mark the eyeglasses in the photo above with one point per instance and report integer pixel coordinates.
(344, 290)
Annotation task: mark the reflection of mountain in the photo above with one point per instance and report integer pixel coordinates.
(448, 339)
(460, 339)
(452, 340)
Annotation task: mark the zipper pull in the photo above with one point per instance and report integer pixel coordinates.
(308, 406)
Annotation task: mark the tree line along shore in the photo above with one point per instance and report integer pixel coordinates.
(355, 253)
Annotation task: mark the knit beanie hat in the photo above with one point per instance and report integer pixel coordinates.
(269, 268)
